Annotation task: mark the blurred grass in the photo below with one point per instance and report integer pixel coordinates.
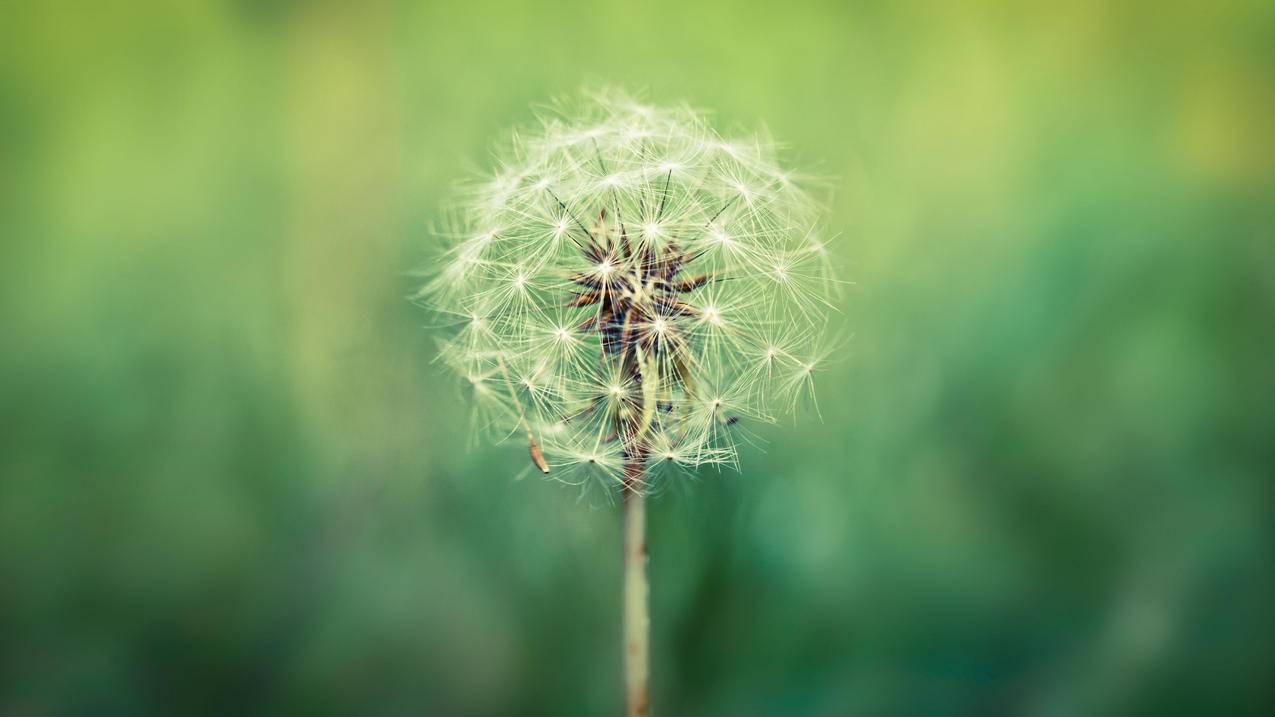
(233, 482)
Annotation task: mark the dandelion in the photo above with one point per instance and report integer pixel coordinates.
(626, 289)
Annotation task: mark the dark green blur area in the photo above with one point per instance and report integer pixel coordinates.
(234, 483)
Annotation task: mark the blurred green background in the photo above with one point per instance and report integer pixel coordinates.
(233, 483)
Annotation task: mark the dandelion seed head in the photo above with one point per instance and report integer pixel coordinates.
(592, 276)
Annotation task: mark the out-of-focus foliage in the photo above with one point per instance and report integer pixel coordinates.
(234, 483)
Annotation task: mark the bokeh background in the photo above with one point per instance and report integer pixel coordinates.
(233, 483)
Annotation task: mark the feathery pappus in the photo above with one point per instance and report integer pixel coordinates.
(628, 288)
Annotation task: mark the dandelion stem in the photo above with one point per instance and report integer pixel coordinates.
(637, 621)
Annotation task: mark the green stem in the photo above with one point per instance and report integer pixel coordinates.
(637, 621)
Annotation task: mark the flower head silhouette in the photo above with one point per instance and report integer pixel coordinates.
(630, 286)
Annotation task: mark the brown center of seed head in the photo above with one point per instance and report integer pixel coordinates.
(638, 289)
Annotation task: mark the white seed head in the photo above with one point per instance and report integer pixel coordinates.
(628, 286)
